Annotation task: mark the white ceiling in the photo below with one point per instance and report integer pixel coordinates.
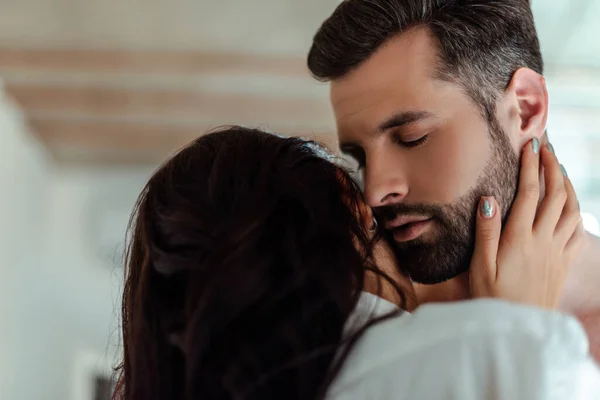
(263, 26)
(569, 32)
(569, 29)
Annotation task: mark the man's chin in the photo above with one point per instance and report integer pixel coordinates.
(436, 256)
(433, 277)
(430, 267)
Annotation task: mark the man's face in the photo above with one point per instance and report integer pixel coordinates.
(427, 154)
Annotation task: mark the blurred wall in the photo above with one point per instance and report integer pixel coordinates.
(23, 179)
(61, 275)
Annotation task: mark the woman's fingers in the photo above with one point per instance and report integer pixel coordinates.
(570, 218)
(555, 197)
(576, 240)
(524, 208)
(528, 261)
(487, 238)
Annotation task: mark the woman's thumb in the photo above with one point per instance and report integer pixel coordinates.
(487, 239)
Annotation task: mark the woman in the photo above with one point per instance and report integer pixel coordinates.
(248, 268)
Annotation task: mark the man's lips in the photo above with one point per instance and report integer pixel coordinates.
(407, 228)
(402, 220)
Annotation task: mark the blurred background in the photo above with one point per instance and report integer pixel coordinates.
(95, 94)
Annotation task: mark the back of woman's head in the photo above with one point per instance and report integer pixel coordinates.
(241, 271)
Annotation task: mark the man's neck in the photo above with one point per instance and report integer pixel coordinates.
(581, 295)
(453, 290)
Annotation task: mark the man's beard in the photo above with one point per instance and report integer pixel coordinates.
(450, 253)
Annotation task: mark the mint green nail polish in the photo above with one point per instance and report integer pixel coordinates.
(487, 209)
(564, 171)
(535, 143)
(551, 148)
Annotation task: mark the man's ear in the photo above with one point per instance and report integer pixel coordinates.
(529, 89)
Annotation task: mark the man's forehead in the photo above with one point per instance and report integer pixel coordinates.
(408, 55)
(372, 101)
(399, 76)
(369, 110)
(363, 114)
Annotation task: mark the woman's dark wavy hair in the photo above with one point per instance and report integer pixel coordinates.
(241, 271)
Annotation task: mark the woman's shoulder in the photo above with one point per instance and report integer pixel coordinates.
(462, 338)
(435, 322)
(491, 315)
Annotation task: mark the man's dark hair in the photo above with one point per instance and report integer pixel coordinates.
(481, 42)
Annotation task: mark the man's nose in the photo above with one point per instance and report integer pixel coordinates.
(385, 183)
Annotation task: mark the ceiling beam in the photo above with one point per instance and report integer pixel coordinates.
(150, 62)
(132, 103)
(73, 140)
(110, 119)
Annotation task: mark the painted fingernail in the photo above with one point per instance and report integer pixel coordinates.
(551, 148)
(487, 208)
(535, 144)
(564, 171)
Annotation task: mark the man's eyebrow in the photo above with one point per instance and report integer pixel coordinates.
(404, 118)
(396, 121)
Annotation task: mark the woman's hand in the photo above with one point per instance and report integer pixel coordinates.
(528, 261)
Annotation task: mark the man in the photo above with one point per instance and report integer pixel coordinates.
(435, 99)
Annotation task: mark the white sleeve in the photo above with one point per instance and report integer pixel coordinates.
(512, 364)
(478, 351)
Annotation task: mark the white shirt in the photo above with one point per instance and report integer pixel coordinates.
(472, 350)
